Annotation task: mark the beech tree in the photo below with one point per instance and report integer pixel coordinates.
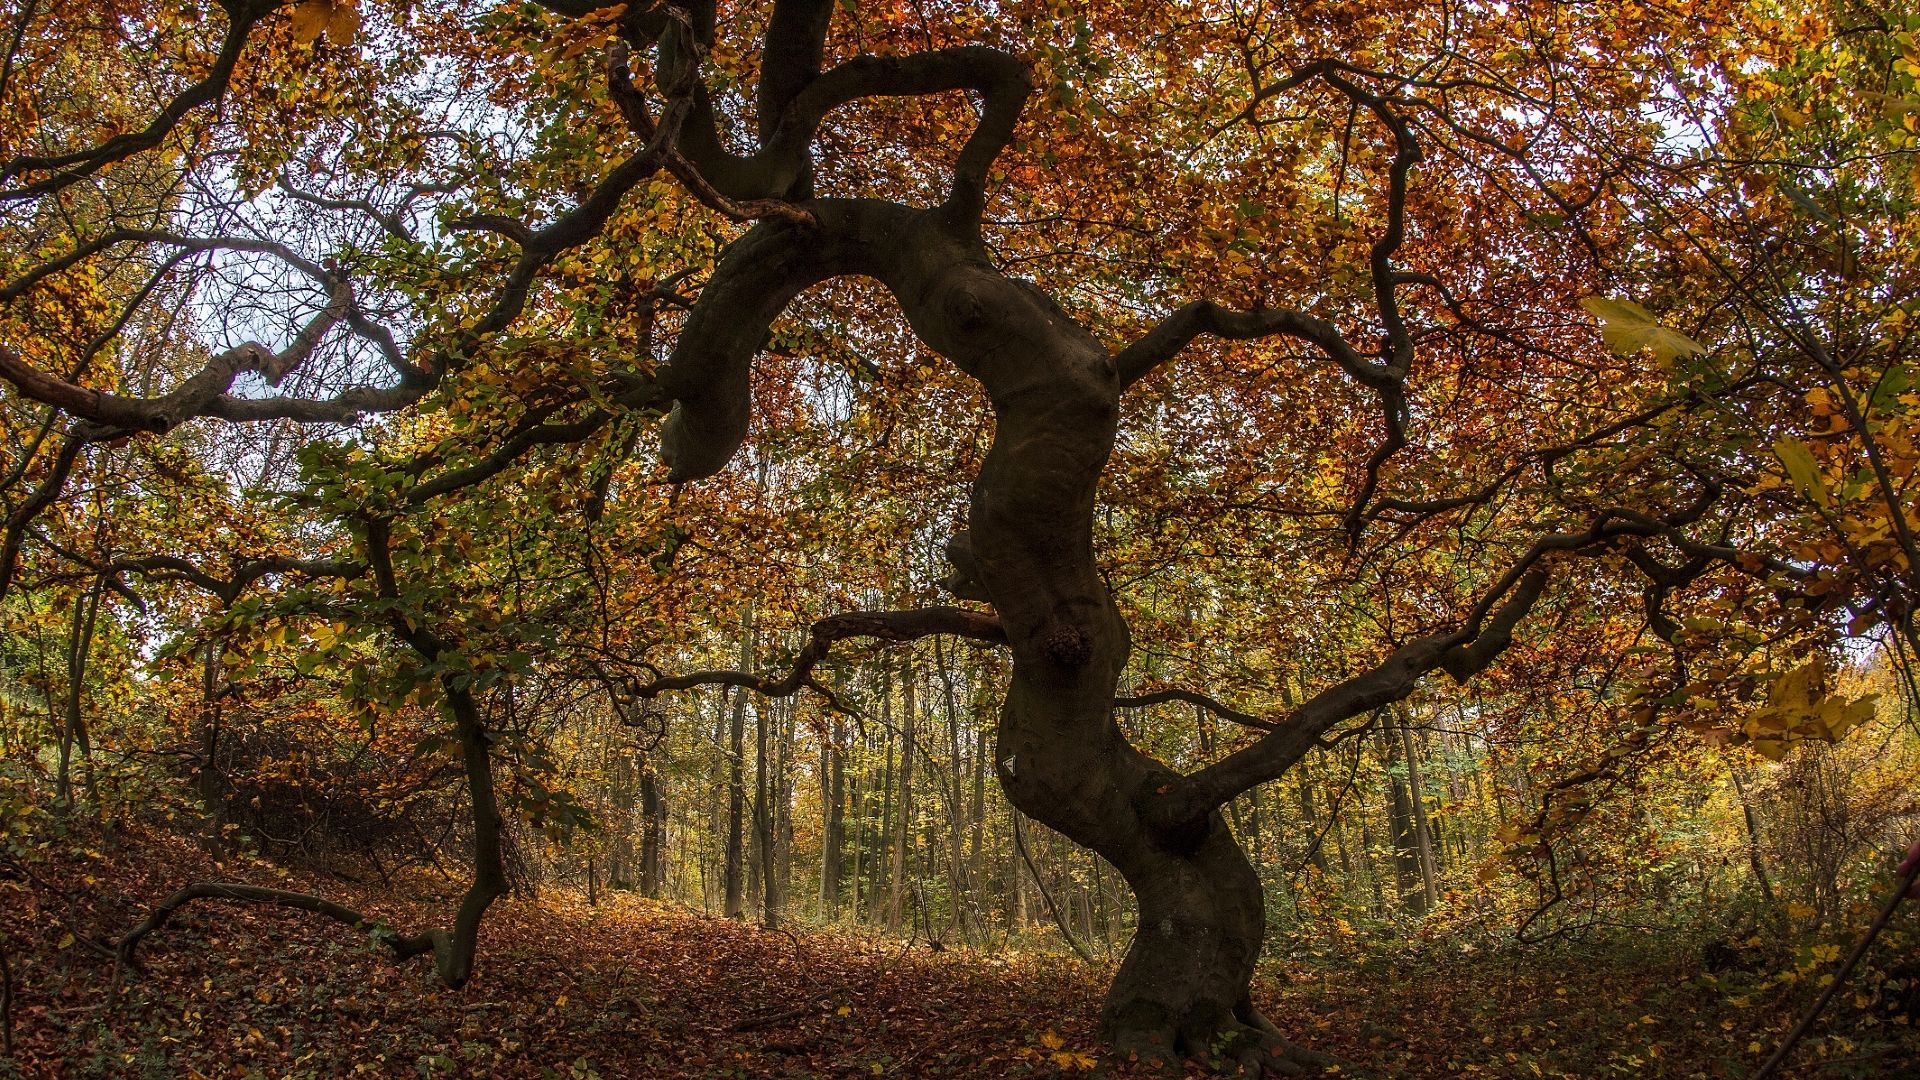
(1319, 265)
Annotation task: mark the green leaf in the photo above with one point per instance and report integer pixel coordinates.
(1627, 328)
(1802, 469)
(1886, 395)
(1805, 203)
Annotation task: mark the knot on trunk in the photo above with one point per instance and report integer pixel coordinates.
(1068, 645)
(964, 582)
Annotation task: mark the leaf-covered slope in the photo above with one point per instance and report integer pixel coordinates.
(638, 989)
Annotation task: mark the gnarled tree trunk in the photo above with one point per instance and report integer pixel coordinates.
(1055, 392)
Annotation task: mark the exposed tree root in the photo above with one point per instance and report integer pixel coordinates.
(451, 967)
(1245, 1045)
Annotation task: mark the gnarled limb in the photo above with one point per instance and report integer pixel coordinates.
(909, 624)
(202, 394)
(1194, 697)
(790, 59)
(22, 516)
(113, 238)
(795, 98)
(1486, 632)
(1177, 331)
(163, 912)
(708, 372)
(1386, 376)
(228, 589)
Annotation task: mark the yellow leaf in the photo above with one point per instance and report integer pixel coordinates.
(1052, 1041)
(66, 940)
(310, 20)
(1627, 328)
(1071, 1059)
(1803, 469)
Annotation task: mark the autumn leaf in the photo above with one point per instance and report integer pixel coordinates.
(1627, 328)
(335, 21)
(311, 21)
(1799, 706)
(1802, 469)
(344, 22)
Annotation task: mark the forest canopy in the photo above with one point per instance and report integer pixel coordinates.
(710, 449)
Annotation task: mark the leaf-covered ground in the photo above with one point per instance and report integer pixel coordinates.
(638, 989)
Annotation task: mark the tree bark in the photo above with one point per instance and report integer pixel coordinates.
(1317, 853)
(760, 849)
(213, 801)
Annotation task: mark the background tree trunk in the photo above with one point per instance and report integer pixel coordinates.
(1422, 835)
(903, 817)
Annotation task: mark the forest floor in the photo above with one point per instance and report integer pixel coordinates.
(634, 988)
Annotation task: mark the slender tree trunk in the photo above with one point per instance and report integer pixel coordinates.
(1422, 835)
(903, 819)
(733, 877)
(834, 772)
(1317, 852)
(760, 847)
(213, 801)
(1017, 915)
(1406, 860)
(766, 814)
(977, 825)
(1754, 862)
(1370, 867)
(958, 888)
(857, 798)
(453, 954)
(881, 855)
(73, 728)
(653, 818)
